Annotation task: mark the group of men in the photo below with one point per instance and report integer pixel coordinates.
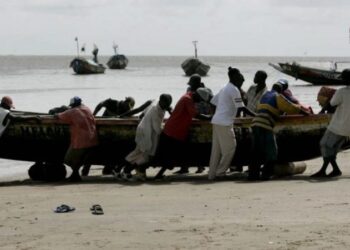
(222, 109)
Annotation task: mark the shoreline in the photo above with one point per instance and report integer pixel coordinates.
(181, 212)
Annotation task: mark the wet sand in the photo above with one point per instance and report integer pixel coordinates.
(181, 212)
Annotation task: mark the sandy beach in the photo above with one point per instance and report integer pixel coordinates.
(181, 212)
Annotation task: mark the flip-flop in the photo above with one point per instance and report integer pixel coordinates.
(64, 209)
(97, 209)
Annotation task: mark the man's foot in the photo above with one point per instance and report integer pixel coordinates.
(334, 173)
(319, 174)
(236, 169)
(140, 176)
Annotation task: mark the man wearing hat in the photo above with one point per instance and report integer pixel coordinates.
(338, 129)
(83, 135)
(272, 105)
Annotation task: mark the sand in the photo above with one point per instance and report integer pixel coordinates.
(182, 212)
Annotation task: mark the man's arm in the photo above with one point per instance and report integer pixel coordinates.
(136, 110)
(98, 108)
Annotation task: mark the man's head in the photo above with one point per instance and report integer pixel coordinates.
(165, 101)
(205, 94)
(194, 82)
(284, 84)
(235, 77)
(345, 75)
(75, 101)
(130, 102)
(7, 103)
(260, 77)
(277, 87)
(324, 95)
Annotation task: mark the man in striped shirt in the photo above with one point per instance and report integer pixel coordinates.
(272, 105)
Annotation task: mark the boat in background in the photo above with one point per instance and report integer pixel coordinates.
(82, 66)
(118, 61)
(311, 75)
(195, 66)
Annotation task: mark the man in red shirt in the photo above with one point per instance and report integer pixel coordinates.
(174, 136)
(82, 132)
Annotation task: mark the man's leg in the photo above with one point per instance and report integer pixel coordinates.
(215, 154)
(336, 171)
(228, 147)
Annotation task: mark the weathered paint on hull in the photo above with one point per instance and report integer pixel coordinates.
(297, 138)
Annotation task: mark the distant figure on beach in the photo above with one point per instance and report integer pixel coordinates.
(82, 132)
(147, 137)
(272, 105)
(324, 97)
(228, 103)
(338, 129)
(173, 140)
(256, 90)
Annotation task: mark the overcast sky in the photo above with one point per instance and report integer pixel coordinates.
(168, 27)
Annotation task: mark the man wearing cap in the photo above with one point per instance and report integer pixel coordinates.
(82, 132)
(338, 129)
(173, 139)
(147, 137)
(228, 103)
(271, 106)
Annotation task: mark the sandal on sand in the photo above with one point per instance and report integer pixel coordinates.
(63, 209)
(97, 209)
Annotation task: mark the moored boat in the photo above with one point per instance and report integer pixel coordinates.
(82, 66)
(297, 138)
(311, 75)
(193, 65)
(117, 61)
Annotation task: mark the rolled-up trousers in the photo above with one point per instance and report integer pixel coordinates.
(222, 150)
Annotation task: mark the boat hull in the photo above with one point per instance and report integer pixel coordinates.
(81, 66)
(118, 62)
(311, 75)
(195, 66)
(297, 138)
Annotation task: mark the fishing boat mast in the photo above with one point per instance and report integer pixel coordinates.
(195, 48)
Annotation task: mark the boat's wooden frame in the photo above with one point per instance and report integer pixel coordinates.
(297, 138)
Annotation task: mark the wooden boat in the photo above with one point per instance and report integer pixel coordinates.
(118, 62)
(297, 138)
(193, 65)
(311, 75)
(81, 66)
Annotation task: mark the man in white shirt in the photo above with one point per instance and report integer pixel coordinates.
(228, 102)
(338, 129)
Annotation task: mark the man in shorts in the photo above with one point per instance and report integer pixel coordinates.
(338, 129)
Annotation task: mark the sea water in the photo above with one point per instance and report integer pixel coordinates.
(39, 83)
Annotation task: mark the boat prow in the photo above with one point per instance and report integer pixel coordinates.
(314, 76)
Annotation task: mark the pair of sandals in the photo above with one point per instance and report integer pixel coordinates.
(95, 209)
